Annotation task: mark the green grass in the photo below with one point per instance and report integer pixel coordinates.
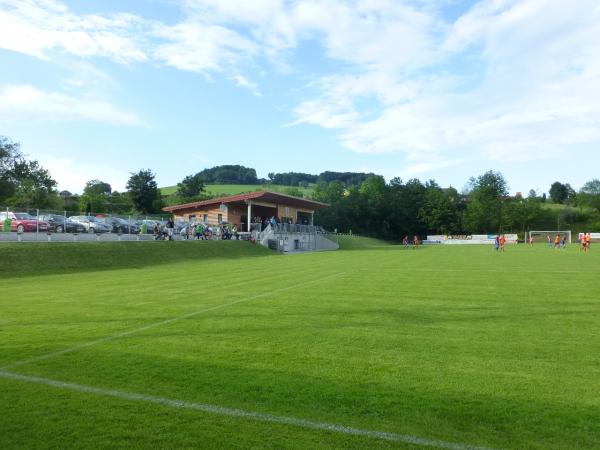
(29, 259)
(453, 343)
(232, 189)
(358, 242)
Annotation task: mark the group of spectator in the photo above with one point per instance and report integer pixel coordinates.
(274, 220)
(163, 232)
(201, 232)
(194, 231)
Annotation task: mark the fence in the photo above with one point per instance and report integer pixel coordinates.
(26, 224)
(31, 225)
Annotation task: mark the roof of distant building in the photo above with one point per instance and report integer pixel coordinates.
(266, 196)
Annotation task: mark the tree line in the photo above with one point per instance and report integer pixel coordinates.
(391, 210)
(26, 184)
(305, 179)
(361, 202)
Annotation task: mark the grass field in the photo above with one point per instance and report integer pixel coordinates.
(231, 189)
(170, 345)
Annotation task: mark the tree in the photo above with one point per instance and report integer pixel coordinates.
(229, 174)
(348, 178)
(558, 192)
(120, 203)
(22, 182)
(95, 197)
(97, 187)
(292, 178)
(484, 210)
(440, 209)
(293, 191)
(589, 194)
(521, 214)
(190, 188)
(571, 194)
(144, 192)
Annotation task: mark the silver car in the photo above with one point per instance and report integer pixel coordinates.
(92, 224)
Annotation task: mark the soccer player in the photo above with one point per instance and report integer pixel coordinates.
(416, 242)
(588, 240)
(405, 241)
(502, 241)
(549, 240)
(530, 240)
(497, 242)
(557, 241)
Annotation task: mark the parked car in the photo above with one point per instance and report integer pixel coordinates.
(59, 224)
(119, 225)
(92, 224)
(24, 222)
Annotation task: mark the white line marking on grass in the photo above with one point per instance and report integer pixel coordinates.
(162, 322)
(234, 412)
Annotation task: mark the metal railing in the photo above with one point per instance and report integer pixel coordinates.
(27, 224)
(293, 228)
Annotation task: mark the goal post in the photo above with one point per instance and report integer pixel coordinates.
(542, 236)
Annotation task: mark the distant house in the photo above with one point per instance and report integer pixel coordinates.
(235, 209)
(65, 194)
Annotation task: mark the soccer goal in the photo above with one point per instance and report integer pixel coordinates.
(542, 236)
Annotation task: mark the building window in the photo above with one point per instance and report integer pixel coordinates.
(191, 217)
(287, 211)
(205, 218)
(220, 218)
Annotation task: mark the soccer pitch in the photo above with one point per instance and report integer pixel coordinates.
(452, 347)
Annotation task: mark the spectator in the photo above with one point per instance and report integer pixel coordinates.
(170, 226)
(199, 228)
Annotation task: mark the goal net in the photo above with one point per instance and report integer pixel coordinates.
(542, 236)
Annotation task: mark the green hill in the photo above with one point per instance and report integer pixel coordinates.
(232, 189)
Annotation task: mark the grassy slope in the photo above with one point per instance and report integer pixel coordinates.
(45, 258)
(231, 189)
(454, 343)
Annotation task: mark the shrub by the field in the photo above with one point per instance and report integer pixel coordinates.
(27, 259)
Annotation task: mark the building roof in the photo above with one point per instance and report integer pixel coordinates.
(266, 196)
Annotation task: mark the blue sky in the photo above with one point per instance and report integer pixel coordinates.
(442, 89)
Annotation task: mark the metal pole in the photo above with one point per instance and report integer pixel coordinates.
(249, 214)
(37, 223)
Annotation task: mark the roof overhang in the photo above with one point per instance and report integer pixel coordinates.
(264, 196)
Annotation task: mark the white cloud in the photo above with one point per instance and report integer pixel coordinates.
(73, 174)
(508, 80)
(241, 81)
(35, 27)
(26, 100)
(198, 47)
(513, 81)
(415, 169)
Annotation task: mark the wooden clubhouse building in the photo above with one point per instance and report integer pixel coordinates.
(236, 209)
